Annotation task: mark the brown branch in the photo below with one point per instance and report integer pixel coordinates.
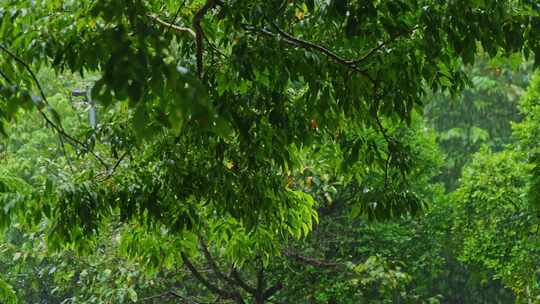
(213, 288)
(27, 67)
(110, 173)
(313, 46)
(173, 26)
(168, 294)
(380, 46)
(289, 39)
(199, 34)
(260, 276)
(213, 265)
(311, 261)
(272, 290)
(242, 283)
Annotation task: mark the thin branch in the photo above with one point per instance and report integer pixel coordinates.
(371, 52)
(172, 294)
(5, 76)
(311, 261)
(389, 141)
(58, 128)
(214, 48)
(167, 294)
(379, 47)
(106, 175)
(289, 39)
(27, 67)
(199, 33)
(313, 46)
(173, 26)
(176, 15)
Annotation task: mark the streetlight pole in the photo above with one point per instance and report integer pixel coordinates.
(87, 98)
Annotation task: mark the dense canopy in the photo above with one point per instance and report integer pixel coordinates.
(338, 138)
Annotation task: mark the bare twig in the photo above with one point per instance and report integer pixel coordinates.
(379, 47)
(170, 294)
(167, 294)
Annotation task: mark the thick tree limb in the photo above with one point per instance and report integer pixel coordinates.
(213, 265)
(272, 290)
(242, 283)
(233, 280)
(213, 288)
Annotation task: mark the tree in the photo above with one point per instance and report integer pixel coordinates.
(480, 115)
(208, 105)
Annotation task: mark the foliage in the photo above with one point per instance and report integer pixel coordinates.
(230, 130)
(231, 103)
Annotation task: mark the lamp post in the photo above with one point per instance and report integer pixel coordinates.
(87, 98)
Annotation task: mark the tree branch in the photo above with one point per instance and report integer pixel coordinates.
(311, 261)
(310, 45)
(176, 14)
(215, 268)
(297, 42)
(5, 76)
(213, 288)
(378, 47)
(168, 294)
(261, 284)
(59, 129)
(27, 67)
(199, 34)
(173, 26)
(241, 282)
(110, 172)
(272, 290)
